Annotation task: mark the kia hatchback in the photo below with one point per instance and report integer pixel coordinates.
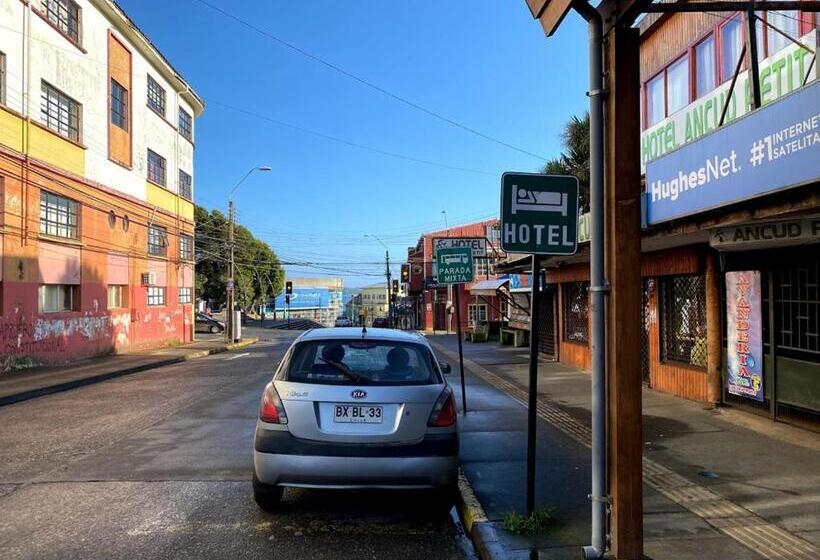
(353, 408)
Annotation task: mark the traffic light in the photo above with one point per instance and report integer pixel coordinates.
(395, 286)
(405, 273)
(288, 287)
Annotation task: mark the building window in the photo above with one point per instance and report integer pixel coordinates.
(60, 113)
(58, 216)
(576, 311)
(655, 102)
(705, 66)
(156, 295)
(56, 298)
(185, 295)
(65, 15)
(116, 296)
(788, 22)
(477, 312)
(186, 247)
(683, 319)
(677, 86)
(156, 96)
(731, 41)
(186, 124)
(119, 105)
(185, 188)
(797, 307)
(157, 241)
(156, 168)
(2, 78)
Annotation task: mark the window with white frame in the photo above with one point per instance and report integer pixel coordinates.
(157, 241)
(477, 312)
(186, 247)
(117, 296)
(156, 295)
(56, 298)
(59, 112)
(59, 216)
(185, 295)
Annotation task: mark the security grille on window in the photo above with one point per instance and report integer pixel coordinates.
(186, 247)
(185, 124)
(156, 168)
(156, 96)
(683, 319)
(58, 216)
(477, 312)
(157, 241)
(185, 185)
(60, 113)
(185, 295)
(156, 296)
(576, 311)
(116, 296)
(55, 298)
(797, 308)
(119, 105)
(65, 15)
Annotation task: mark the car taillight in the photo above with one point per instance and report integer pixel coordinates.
(271, 409)
(444, 411)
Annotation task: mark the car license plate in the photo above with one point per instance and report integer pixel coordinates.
(358, 414)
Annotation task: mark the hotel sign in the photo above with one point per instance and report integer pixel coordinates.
(771, 149)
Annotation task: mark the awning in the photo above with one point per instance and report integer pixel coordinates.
(488, 288)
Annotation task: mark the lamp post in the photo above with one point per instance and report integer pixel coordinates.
(229, 319)
(387, 274)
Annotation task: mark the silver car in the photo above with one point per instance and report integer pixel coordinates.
(356, 408)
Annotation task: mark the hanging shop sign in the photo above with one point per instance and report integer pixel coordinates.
(478, 245)
(772, 149)
(766, 235)
(744, 332)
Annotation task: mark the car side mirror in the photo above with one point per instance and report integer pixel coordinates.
(446, 368)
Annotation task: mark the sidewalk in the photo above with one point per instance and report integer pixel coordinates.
(26, 384)
(717, 484)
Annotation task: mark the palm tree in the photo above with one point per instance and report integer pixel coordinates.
(574, 160)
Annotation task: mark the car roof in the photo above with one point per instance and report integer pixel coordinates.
(372, 333)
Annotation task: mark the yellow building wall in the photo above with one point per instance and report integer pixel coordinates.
(169, 201)
(51, 148)
(11, 130)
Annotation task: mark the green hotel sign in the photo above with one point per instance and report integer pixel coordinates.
(780, 74)
(454, 265)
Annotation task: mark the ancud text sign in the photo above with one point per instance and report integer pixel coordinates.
(539, 214)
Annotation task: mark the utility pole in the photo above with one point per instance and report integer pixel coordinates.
(229, 322)
(389, 300)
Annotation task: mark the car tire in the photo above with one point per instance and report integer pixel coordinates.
(267, 497)
(214, 329)
(446, 496)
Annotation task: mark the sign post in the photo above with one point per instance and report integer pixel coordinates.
(454, 265)
(539, 215)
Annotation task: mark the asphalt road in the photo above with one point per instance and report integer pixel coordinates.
(158, 465)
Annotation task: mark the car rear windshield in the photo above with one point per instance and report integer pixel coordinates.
(361, 362)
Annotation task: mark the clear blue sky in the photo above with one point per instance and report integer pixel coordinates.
(484, 63)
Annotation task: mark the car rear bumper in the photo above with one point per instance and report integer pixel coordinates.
(281, 459)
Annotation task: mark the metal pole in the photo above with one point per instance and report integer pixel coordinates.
(754, 68)
(598, 284)
(231, 282)
(532, 402)
(460, 352)
(389, 301)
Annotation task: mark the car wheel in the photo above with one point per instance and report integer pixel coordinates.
(214, 329)
(267, 497)
(446, 496)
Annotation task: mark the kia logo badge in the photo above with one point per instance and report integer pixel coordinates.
(358, 394)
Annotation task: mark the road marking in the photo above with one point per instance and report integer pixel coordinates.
(235, 356)
(744, 526)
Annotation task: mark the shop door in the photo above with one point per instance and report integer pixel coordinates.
(440, 316)
(546, 324)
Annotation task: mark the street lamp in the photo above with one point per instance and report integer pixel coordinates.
(229, 319)
(387, 274)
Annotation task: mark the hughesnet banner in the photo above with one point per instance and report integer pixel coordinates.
(744, 331)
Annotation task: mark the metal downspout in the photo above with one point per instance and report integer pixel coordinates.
(598, 284)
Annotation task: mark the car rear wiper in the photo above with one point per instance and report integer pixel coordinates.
(344, 369)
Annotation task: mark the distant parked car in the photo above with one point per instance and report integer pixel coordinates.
(205, 323)
(343, 322)
(380, 323)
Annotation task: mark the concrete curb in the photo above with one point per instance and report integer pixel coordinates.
(478, 527)
(76, 383)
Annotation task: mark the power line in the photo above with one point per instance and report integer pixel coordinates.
(368, 83)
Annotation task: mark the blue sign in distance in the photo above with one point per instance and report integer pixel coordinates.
(771, 149)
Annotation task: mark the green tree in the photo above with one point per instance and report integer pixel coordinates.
(574, 159)
(258, 275)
